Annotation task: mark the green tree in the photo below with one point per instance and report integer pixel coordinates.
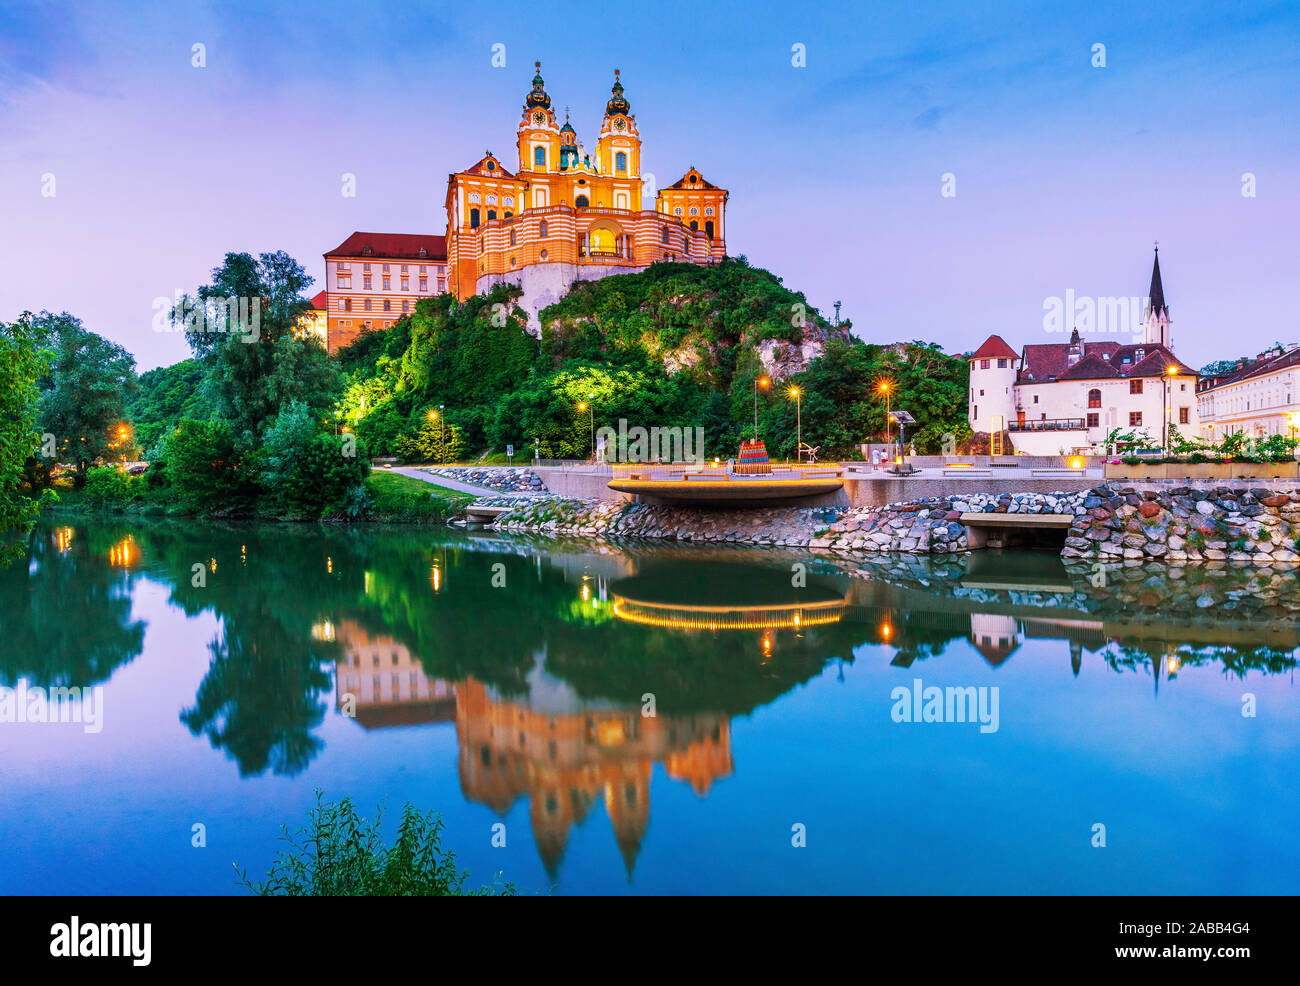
(204, 467)
(83, 393)
(242, 326)
(163, 396)
(24, 363)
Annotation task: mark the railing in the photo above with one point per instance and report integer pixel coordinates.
(1049, 424)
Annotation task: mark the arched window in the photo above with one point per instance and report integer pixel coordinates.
(665, 235)
(492, 213)
(708, 228)
(509, 213)
(620, 161)
(581, 201)
(1094, 398)
(695, 224)
(473, 219)
(512, 237)
(541, 229)
(539, 158)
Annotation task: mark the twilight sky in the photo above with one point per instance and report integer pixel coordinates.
(1064, 173)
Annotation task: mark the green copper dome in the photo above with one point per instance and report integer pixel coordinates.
(617, 104)
(537, 99)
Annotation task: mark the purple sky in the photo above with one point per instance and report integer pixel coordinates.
(1065, 173)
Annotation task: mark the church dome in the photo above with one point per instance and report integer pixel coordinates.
(537, 98)
(617, 104)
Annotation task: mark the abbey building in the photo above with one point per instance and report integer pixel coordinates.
(558, 212)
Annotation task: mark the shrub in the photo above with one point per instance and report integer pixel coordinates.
(204, 468)
(108, 487)
(340, 854)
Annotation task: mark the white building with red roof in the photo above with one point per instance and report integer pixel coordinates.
(373, 279)
(1064, 397)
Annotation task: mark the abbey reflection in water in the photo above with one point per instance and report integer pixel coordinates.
(545, 677)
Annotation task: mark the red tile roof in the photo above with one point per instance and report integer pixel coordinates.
(995, 347)
(392, 246)
(480, 167)
(319, 302)
(684, 181)
(1270, 364)
(1050, 361)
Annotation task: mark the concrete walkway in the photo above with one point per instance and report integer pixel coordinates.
(416, 472)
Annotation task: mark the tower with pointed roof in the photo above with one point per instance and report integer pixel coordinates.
(1156, 326)
(538, 136)
(618, 150)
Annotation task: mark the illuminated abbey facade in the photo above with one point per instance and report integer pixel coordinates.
(566, 213)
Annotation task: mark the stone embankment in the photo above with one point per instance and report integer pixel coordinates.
(1109, 523)
(501, 480)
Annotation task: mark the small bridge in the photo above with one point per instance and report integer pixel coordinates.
(484, 514)
(994, 530)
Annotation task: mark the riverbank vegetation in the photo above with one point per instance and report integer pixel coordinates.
(341, 854)
(261, 422)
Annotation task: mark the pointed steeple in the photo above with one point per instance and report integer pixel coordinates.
(1157, 292)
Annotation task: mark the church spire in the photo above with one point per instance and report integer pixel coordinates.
(1157, 293)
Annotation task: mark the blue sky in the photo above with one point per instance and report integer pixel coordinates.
(1065, 173)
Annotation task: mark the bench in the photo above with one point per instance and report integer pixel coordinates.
(1055, 473)
(968, 472)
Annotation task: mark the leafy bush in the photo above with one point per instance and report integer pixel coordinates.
(108, 487)
(340, 854)
(205, 471)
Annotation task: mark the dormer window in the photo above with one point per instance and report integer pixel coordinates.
(1139, 354)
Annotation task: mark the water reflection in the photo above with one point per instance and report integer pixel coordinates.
(545, 657)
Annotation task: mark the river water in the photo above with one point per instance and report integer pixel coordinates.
(644, 718)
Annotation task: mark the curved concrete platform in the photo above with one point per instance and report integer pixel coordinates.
(723, 491)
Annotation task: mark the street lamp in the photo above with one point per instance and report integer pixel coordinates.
(442, 431)
(884, 389)
(764, 381)
(798, 425)
(1167, 409)
(591, 411)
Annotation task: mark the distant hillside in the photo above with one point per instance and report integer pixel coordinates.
(688, 317)
(676, 345)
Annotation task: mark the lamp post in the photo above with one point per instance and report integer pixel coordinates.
(442, 448)
(587, 406)
(764, 381)
(798, 425)
(1167, 409)
(884, 389)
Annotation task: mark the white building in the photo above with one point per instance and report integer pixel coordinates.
(1260, 397)
(1064, 397)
